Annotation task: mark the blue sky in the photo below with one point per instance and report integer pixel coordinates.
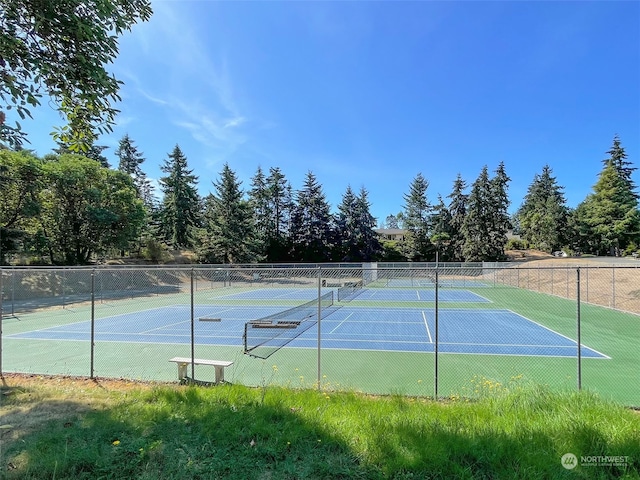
(372, 93)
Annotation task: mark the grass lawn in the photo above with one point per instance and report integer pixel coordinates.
(65, 428)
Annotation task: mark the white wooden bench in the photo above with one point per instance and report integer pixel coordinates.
(184, 362)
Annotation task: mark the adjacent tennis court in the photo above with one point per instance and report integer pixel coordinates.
(460, 331)
(370, 294)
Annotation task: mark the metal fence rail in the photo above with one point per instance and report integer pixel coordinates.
(417, 329)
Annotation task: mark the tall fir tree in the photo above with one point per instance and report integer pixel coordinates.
(608, 220)
(357, 240)
(442, 232)
(180, 212)
(499, 214)
(281, 205)
(417, 221)
(260, 202)
(130, 161)
(312, 229)
(618, 158)
(346, 223)
(369, 244)
(477, 221)
(542, 218)
(229, 223)
(458, 212)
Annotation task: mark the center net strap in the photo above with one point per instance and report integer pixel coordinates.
(265, 336)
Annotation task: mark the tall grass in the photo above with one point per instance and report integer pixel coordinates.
(235, 432)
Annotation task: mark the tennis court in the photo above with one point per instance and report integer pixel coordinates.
(460, 331)
(369, 294)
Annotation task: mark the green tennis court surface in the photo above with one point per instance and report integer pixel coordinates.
(383, 341)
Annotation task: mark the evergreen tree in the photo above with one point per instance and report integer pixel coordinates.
(608, 220)
(346, 223)
(281, 207)
(312, 223)
(259, 199)
(229, 226)
(618, 158)
(367, 240)
(499, 214)
(357, 239)
(457, 212)
(180, 209)
(442, 231)
(543, 216)
(417, 215)
(477, 222)
(130, 161)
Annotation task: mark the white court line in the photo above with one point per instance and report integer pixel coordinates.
(418, 294)
(424, 317)
(340, 324)
(178, 323)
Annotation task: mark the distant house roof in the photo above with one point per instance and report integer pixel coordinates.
(390, 231)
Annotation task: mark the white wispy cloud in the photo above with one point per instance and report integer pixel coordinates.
(190, 79)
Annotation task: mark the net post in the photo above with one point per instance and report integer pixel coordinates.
(93, 322)
(578, 328)
(193, 336)
(319, 313)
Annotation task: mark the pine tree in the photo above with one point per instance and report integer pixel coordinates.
(499, 214)
(608, 220)
(477, 222)
(130, 161)
(457, 212)
(357, 239)
(312, 223)
(346, 223)
(229, 226)
(281, 206)
(259, 199)
(417, 215)
(180, 210)
(442, 231)
(543, 216)
(618, 158)
(369, 243)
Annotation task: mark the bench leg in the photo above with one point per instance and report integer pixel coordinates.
(219, 374)
(182, 370)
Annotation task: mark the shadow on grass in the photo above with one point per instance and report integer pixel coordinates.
(234, 432)
(186, 432)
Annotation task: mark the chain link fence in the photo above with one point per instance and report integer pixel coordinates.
(443, 330)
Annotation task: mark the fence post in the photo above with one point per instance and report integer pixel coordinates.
(578, 328)
(435, 346)
(319, 313)
(1, 317)
(193, 333)
(93, 320)
(613, 287)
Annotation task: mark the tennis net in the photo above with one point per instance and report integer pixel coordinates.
(349, 291)
(265, 336)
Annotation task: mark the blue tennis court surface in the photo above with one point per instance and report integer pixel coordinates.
(369, 294)
(428, 282)
(462, 331)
